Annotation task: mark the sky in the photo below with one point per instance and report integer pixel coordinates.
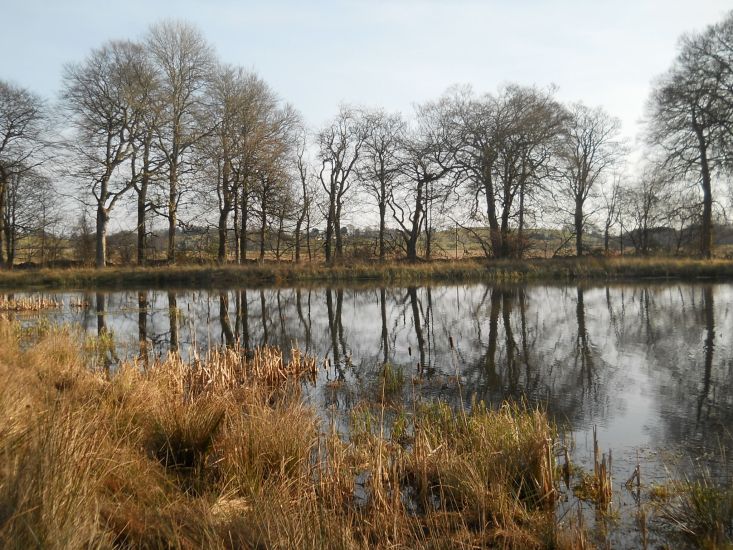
(392, 54)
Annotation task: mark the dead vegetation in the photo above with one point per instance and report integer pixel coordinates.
(27, 304)
(223, 453)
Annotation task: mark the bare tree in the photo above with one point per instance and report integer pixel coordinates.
(184, 61)
(339, 147)
(642, 208)
(273, 176)
(241, 106)
(589, 150)
(688, 124)
(611, 195)
(99, 96)
(21, 132)
(502, 146)
(30, 210)
(425, 159)
(683, 207)
(146, 160)
(380, 163)
(711, 56)
(305, 195)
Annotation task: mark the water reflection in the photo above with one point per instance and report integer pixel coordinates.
(642, 362)
(173, 321)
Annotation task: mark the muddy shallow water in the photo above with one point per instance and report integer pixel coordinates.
(651, 365)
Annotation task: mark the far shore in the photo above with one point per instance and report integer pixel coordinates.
(392, 272)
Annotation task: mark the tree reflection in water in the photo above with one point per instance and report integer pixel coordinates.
(590, 354)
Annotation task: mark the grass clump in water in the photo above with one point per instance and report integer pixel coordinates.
(393, 379)
(703, 512)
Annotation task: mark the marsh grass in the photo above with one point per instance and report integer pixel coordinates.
(702, 511)
(393, 378)
(224, 453)
(597, 487)
(29, 304)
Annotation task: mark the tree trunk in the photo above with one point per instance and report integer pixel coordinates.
(504, 233)
(308, 236)
(385, 332)
(172, 213)
(578, 227)
(706, 244)
(102, 221)
(337, 231)
(243, 230)
(706, 237)
(520, 231)
(328, 242)
(298, 227)
(382, 215)
(495, 233)
(417, 220)
(3, 187)
(412, 249)
(280, 231)
(221, 255)
(263, 227)
(428, 240)
(235, 209)
(141, 198)
(10, 242)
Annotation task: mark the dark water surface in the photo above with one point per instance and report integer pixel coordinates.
(651, 365)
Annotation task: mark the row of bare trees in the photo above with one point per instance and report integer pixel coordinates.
(484, 162)
(163, 118)
(164, 128)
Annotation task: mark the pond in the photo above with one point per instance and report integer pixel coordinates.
(649, 364)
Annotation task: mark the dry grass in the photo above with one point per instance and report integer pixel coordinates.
(223, 453)
(273, 273)
(598, 486)
(31, 304)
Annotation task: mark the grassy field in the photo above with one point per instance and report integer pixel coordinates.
(286, 273)
(226, 455)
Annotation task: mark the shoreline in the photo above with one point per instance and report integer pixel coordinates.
(392, 272)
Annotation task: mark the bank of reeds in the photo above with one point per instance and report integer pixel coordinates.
(27, 304)
(392, 272)
(224, 453)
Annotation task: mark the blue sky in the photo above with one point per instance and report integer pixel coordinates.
(388, 53)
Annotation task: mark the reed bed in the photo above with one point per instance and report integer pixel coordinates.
(224, 453)
(29, 304)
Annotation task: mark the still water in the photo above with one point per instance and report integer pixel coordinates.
(651, 365)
